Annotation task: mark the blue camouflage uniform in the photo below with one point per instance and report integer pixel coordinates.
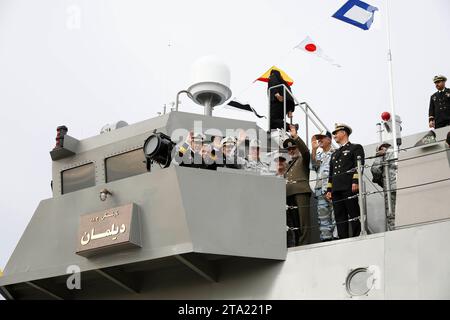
(324, 207)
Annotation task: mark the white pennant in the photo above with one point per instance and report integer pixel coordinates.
(309, 46)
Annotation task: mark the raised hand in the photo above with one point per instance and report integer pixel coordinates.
(293, 131)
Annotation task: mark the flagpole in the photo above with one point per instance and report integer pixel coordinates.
(391, 81)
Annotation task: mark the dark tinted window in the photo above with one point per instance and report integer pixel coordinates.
(125, 165)
(78, 178)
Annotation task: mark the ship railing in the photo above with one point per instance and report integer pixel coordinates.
(310, 114)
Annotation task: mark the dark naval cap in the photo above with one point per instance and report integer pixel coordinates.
(289, 143)
(342, 126)
(439, 78)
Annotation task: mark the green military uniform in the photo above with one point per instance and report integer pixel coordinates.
(298, 191)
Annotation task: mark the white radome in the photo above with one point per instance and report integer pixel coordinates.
(210, 78)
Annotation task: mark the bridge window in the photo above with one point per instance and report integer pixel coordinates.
(125, 165)
(78, 178)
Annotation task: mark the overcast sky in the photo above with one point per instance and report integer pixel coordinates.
(88, 63)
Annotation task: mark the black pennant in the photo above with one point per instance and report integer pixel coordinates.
(245, 107)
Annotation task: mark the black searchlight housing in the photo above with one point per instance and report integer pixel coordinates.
(158, 148)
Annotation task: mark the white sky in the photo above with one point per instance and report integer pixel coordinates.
(118, 66)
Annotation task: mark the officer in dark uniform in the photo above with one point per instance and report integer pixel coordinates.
(343, 181)
(439, 112)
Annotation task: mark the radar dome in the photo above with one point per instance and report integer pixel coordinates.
(211, 81)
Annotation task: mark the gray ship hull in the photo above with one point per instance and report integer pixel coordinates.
(222, 234)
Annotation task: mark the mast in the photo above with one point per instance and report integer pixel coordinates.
(391, 81)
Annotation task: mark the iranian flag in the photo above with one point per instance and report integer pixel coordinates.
(309, 46)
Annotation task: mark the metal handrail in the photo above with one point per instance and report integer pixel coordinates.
(178, 98)
(308, 117)
(361, 198)
(321, 122)
(305, 110)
